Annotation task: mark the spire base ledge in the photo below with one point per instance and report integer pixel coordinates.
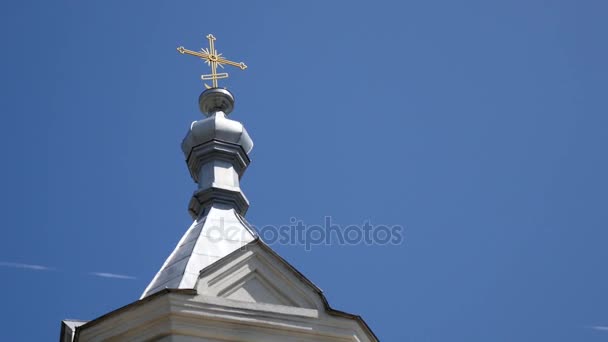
(230, 196)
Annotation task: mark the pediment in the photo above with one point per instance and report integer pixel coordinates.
(255, 288)
(255, 274)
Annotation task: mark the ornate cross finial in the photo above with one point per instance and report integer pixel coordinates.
(213, 59)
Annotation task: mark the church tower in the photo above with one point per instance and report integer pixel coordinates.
(222, 282)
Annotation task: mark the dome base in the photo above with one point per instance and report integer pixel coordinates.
(216, 100)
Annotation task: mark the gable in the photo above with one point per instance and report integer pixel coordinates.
(254, 274)
(255, 288)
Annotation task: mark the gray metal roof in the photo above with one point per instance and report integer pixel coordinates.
(219, 232)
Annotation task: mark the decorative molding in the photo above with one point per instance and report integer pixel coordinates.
(184, 316)
(203, 198)
(217, 150)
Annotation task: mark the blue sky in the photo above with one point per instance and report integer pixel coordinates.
(479, 126)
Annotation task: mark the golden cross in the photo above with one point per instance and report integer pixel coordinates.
(213, 59)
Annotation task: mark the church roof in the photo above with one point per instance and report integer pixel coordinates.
(256, 247)
(217, 233)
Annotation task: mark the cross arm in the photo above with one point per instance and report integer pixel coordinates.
(183, 50)
(238, 65)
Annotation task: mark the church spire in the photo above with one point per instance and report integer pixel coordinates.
(216, 150)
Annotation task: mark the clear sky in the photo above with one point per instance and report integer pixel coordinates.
(479, 126)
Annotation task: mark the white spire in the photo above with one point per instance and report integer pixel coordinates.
(216, 151)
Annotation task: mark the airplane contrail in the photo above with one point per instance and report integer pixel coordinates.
(112, 275)
(25, 266)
